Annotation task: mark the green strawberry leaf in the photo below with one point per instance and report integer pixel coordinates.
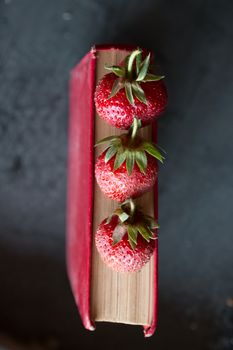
(120, 158)
(106, 139)
(132, 235)
(153, 151)
(118, 233)
(110, 153)
(116, 87)
(131, 59)
(144, 68)
(129, 93)
(141, 160)
(132, 232)
(130, 159)
(138, 63)
(152, 77)
(153, 235)
(138, 92)
(118, 71)
(126, 60)
(151, 222)
(144, 232)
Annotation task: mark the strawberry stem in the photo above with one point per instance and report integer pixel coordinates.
(134, 128)
(132, 207)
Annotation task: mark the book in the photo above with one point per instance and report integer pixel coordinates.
(101, 294)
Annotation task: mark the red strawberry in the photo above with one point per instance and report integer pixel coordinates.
(130, 91)
(127, 168)
(119, 185)
(125, 241)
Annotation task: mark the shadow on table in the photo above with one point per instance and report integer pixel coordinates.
(36, 304)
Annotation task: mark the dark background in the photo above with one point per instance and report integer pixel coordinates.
(40, 41)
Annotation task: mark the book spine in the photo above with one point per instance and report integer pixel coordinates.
(80, 183)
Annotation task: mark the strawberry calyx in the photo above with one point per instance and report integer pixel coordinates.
(130, 148)
(133, 222)
(131, 75)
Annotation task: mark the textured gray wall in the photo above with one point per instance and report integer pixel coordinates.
(40, 41)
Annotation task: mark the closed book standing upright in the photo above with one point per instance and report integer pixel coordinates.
(101, 294)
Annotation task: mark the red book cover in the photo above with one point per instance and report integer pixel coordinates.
(81, 184)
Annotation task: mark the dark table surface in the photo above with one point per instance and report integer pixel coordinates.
(40, 41)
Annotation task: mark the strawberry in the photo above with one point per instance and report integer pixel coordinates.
(127, 168)
(126, 240)
(129, 91)
(119, 185)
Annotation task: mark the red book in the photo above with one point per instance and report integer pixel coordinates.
(100, 293)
